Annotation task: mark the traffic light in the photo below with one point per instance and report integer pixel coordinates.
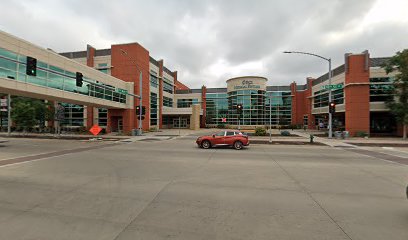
(137, 110)
(143, 110)
(239, 108)
(79, 79)
(332, 107)
(31, 66)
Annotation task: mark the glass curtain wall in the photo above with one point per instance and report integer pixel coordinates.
(259, 107)
(217, 108)
(153, 109)
(278, 110)
(13, 66)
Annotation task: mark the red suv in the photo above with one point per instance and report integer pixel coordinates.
(224, 138)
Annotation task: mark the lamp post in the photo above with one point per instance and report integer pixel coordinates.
(140, 128)
(330, 91)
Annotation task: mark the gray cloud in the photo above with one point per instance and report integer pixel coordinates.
(194, 37)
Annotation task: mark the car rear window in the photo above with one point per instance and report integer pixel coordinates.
(230, 133)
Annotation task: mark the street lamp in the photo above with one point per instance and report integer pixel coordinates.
(330, 92)
(140, 129)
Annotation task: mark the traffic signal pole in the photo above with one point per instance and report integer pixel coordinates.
(330, 91)
(140, 132)
(330, 100)
(8, 115)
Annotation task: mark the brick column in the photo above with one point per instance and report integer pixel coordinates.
(90, 55)
(203, 106)
(357, 92)
(127, 68)
(293, 91)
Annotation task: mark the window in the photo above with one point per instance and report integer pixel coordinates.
(74, 115)
(153, 109)
(186, 103)
(381, 89)
(167, 87)
(153, 79)
(220, 134)
(13, 66)
(230, 133)
(168, 102)
(102, 117)
(103, 67)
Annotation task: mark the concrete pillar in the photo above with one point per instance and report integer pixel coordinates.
(195, 117)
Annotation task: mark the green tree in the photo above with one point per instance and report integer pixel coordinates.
(399, 104)
(27, 112)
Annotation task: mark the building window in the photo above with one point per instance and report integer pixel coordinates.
(153, 109)
(167, 102)
(321, 97)
(13, 66)
(102, 117)
(74, 115)
(103, 67)
(153, 79)
(186, 103)
(167, 87)
(381, 89)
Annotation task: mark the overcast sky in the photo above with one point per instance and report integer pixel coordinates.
(208, 42)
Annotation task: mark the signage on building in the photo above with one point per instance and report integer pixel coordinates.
(123, 91)
(3, 102)
(333, 86)
(245, 84)
(3, 105)
(224, 120)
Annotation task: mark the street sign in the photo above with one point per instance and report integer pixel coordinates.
(3, 102)
(123, 91)
(95, 130)
(333, 86)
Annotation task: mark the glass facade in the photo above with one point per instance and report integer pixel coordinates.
(278, 108)
(216, 107)
(167, 102)
(167, 87)
(186, 103)
(321, 97)
(74, 115)
(103, 67)
(381, 89)
(259, 107)
(153, 79)
(102, 117)
(153, 109)
(13, 66)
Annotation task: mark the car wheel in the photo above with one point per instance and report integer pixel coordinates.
(238, 145)
(206, 144)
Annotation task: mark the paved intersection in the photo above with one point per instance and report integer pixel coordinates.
(171, 189)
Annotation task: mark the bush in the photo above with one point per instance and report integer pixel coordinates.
(285, 133)
(361, 134)
(260, 131)
(221, 126)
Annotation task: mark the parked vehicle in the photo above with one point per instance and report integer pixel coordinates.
(232, 138)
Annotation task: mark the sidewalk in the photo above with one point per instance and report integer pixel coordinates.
(355, 141)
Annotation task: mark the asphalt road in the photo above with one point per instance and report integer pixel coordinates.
(173, 190)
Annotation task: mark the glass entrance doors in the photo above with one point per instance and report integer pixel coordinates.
(179, 123)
